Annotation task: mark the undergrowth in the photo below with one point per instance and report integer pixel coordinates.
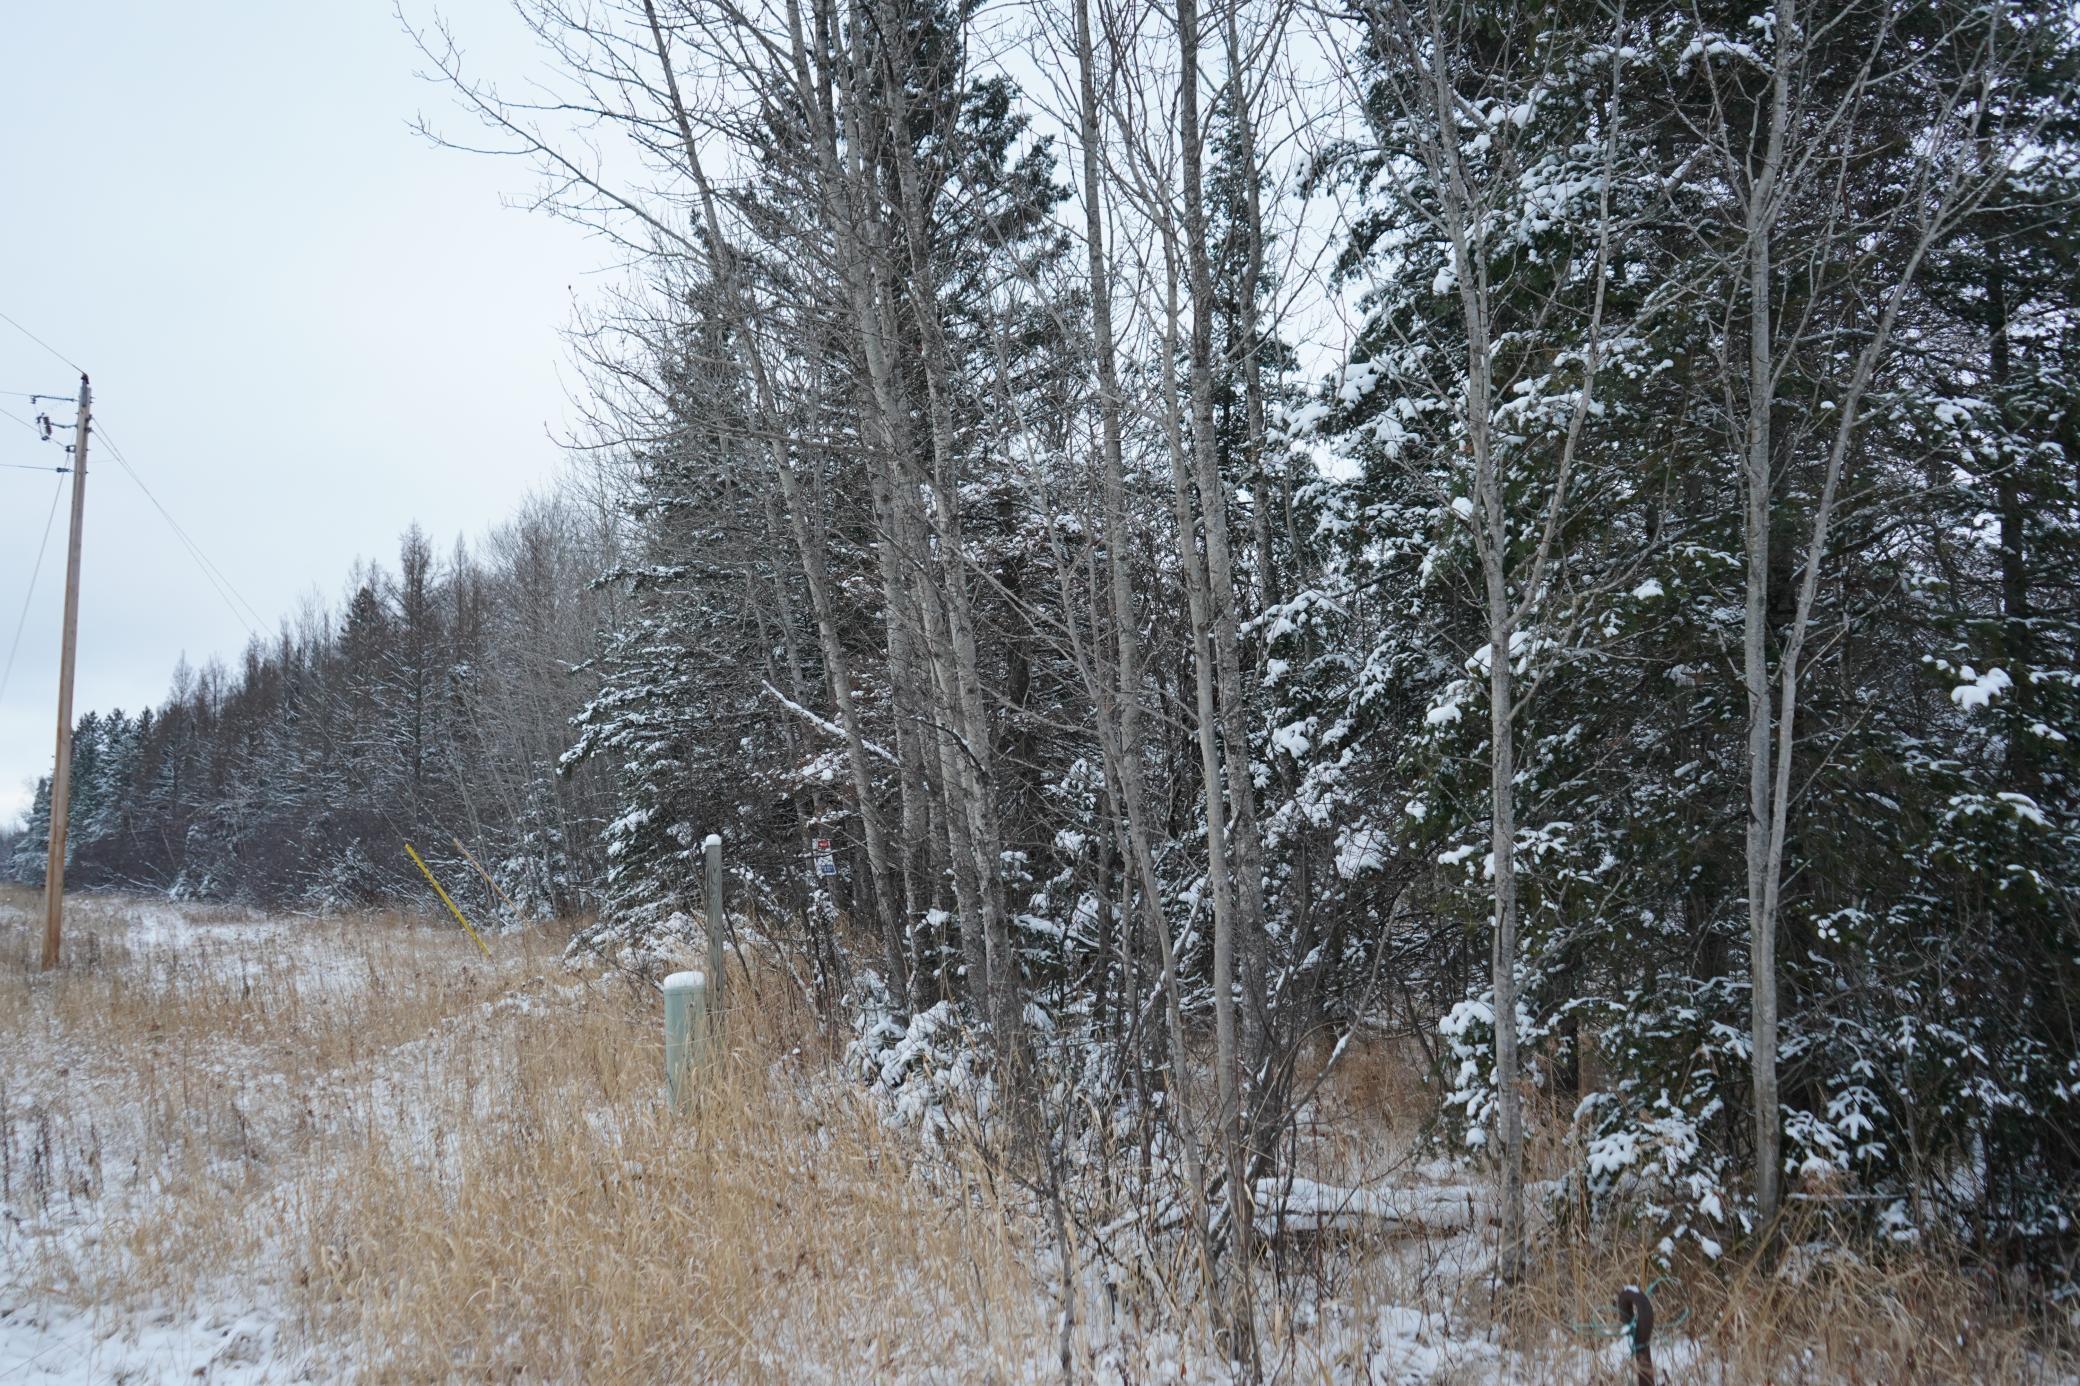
(437, 1166)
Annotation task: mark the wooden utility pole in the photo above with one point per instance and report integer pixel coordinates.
(61, 773)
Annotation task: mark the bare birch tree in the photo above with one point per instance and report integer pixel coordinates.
(1461, 134)
(1788, 149)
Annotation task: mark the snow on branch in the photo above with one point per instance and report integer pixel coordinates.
(827, 727)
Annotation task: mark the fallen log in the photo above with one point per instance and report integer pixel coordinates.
(1307, 1205)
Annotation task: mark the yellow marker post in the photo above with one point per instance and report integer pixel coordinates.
(428, 873)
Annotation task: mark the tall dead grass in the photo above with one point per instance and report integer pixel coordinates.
(1849, 1315)
(577, 1229)
(440, 1167)
(454, 1167)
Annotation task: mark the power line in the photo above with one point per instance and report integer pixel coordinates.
(211, 574)
(33, 467)
(214, 575)
(29, 596)
(42, 343)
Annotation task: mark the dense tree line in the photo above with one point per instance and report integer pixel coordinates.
(1637, 663)
(431, 707)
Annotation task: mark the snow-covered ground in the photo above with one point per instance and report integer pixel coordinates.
(63, 1345)
(236, 1148)
(195, 1057)
(170, 1100)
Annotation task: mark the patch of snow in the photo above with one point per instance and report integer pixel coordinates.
(222, 1346)
(1980, 689)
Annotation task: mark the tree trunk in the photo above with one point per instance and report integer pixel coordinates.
(1124, 756)
(1218, 645)
(1757, 481)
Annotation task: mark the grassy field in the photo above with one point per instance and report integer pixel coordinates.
(241, 1148)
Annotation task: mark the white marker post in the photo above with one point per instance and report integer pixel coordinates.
(685, 1032)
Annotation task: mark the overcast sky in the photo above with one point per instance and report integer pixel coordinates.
(306, 327)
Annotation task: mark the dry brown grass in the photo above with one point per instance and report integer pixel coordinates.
(573, 1228)
(1907, 1318)
(156, 1088)
(436, 1167)
(453, 1167)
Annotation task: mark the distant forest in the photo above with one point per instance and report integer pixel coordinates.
(1641, 667)
(433, 706)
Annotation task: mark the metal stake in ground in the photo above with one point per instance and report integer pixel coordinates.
(1636, 1312)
